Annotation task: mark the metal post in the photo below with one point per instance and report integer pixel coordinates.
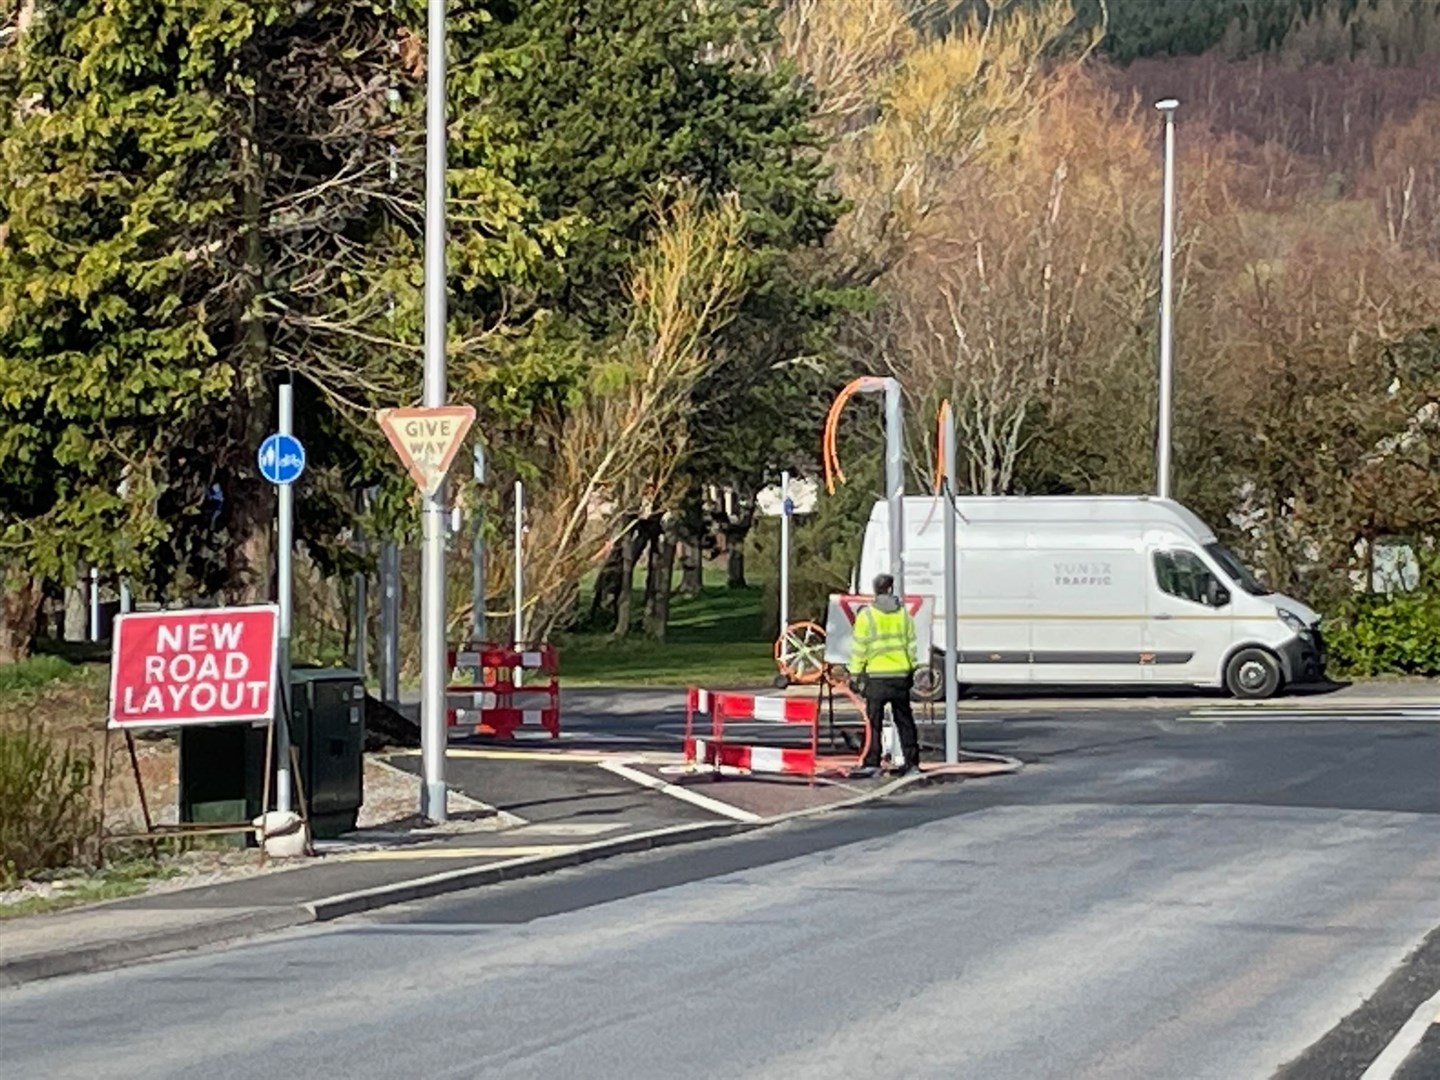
(285, 543)
(362, 611)
(785, 507)
(518, 631)
(126, 601)
(952, 593)
(390, 622)
(1167, 286)
(432, 562)
(477, 554)
(94, 603)
(895, 481)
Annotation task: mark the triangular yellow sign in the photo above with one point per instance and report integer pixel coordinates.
(427, 440)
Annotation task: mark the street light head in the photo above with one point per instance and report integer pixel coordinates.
(1169, 104)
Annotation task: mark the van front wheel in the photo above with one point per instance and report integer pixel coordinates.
(1253, 675)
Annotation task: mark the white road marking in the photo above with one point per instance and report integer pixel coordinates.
(715, 806)
(1425, 714)
(500, 852)
(1406, 1039)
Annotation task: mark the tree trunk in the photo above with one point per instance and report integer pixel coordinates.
(632, 546)
(252, 565)
(645, 533)
(605, 600)
(652, 580)
(625, 587)
(19, 605)
(735, 562)
(735, 526)
(662, 570)
(692, 569)
(249, 503)
(77, 615)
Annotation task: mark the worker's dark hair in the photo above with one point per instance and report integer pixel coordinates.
(884, 584)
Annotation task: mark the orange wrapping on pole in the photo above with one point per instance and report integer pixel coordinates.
(829, 450)
(940, 445)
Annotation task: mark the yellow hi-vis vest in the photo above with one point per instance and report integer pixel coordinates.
(884, 643)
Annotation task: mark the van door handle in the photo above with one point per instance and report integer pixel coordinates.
(1163, 615)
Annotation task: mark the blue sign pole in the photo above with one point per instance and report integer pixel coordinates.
(282, 459)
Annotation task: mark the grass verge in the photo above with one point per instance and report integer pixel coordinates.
(714, 639)
(74, 888)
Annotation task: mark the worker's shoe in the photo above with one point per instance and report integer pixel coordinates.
(863, 772)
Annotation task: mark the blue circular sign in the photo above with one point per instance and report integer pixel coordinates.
(281, 459)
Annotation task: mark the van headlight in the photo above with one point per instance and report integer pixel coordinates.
(1293, 621)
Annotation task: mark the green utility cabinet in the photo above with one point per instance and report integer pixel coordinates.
(222, 768)
(329, 730)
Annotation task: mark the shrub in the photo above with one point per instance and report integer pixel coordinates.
(1397, 634)
(47, 813)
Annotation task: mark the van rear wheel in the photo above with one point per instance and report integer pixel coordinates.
(1253, 675)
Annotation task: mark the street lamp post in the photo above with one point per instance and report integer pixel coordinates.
(1167, 290)
(432, 563)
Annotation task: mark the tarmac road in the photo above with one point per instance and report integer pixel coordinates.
(1154, 897)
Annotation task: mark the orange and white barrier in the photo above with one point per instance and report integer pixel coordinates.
(797, 719)
(487, 696)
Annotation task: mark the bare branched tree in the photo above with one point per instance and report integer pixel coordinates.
(615, 452)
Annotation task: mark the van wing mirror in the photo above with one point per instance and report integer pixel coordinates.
(1217, 594)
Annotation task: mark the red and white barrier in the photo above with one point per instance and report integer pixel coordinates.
(749, 707)
(488, 696)
(721, 750)
(746, 758)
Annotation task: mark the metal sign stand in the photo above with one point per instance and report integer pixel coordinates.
(181, 830)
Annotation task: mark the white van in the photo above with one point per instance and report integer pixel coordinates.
(1073, 590)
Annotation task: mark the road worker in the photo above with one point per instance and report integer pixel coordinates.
(883, 663)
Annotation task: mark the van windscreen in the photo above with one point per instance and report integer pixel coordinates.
(1237, 571)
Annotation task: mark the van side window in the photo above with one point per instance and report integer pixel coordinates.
(1182, 574)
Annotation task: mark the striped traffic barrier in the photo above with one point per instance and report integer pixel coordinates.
(795, 720)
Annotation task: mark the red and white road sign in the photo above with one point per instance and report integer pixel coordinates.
(210, 666)
(851, 603)
(427, 440)
(840, 623)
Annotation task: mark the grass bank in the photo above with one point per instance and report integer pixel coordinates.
(714, 639)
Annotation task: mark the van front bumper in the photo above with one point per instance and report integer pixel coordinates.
(1302, 658)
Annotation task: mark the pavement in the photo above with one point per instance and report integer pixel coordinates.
(559, 807)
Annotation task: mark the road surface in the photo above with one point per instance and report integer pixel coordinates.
(1154, 897)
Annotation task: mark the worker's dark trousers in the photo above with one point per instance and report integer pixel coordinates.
(894, 691)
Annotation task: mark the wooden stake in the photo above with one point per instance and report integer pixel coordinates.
(304, 804)
(104, 788)
(140, 790)
(265, 790)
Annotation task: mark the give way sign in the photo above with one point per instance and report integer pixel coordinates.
(208, 666)
(840, 624)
